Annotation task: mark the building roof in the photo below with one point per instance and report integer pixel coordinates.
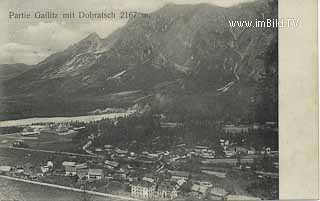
(85, 171)
(108, 146)
(82, 166)
(149, 179)
(50, 163)
(144, 184)
(201, 147)
(119, 151)
(70, 168)
(5, 168)
(241, 197)
(68, 163)
(111, 163)
(95, 171)
(218, 191)
(179, 173)
(166, 186)
(199, 188)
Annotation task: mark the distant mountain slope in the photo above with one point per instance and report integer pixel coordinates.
(9, 71)
(184, 59)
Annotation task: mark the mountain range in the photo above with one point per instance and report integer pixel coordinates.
(182, 59)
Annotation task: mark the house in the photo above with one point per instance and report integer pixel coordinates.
(221, 161)
(178, 175)
(96, 174)
(215, 173)
(120, 175)
(91, 137)
(167, 191)
(68, 163)
(153, 155)
(107, 147)
(239, 149)
(229, 153)
(79, 128)
(149, 178)
(121, 152)
(70, 168)
(62, 128)
(240, 197)
(82, 173)
(251, 151)
(209, 154)
(111, 164)
(143, 189)
(145, 161)
(82, 166)
(20, 143)
(50, 164)
(196, 188)
(180, 182)
(33, 176)
(27, 129)
(44, 169)
(170, 124)
(4, 169)
(205, 183)
(199, 149)
(271, 125)
(233, 129)
(19, 170)
(32, 133)
(257, 126)
(246, 161)
(217, 193)
(38, 171)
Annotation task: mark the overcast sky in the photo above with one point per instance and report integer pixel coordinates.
(31, 40)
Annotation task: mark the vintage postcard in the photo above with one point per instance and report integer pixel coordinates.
(182, 100)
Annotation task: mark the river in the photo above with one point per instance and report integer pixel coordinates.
(86, 119)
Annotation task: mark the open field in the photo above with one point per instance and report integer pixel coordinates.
(42, 141)
(13, 157)
(15, 190)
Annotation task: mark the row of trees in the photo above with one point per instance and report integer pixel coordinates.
(144, 132)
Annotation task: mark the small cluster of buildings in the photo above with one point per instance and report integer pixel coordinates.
(238, 129)
(150, 190)
(82, 171)
(151, 187)
(170, 188)
(27, 170)
(60, 129)
(57, 129)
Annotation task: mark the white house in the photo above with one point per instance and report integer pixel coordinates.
(70, 168)
(143, 189)
(95, 174)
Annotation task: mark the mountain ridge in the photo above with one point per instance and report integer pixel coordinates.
(181, 54)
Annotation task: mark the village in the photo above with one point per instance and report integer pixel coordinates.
(183, 170)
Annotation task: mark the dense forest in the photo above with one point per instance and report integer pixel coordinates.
(144, 132)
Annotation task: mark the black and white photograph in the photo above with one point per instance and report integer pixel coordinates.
(139, 100)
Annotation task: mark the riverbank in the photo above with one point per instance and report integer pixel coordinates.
(86, 119)
(69, 188)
